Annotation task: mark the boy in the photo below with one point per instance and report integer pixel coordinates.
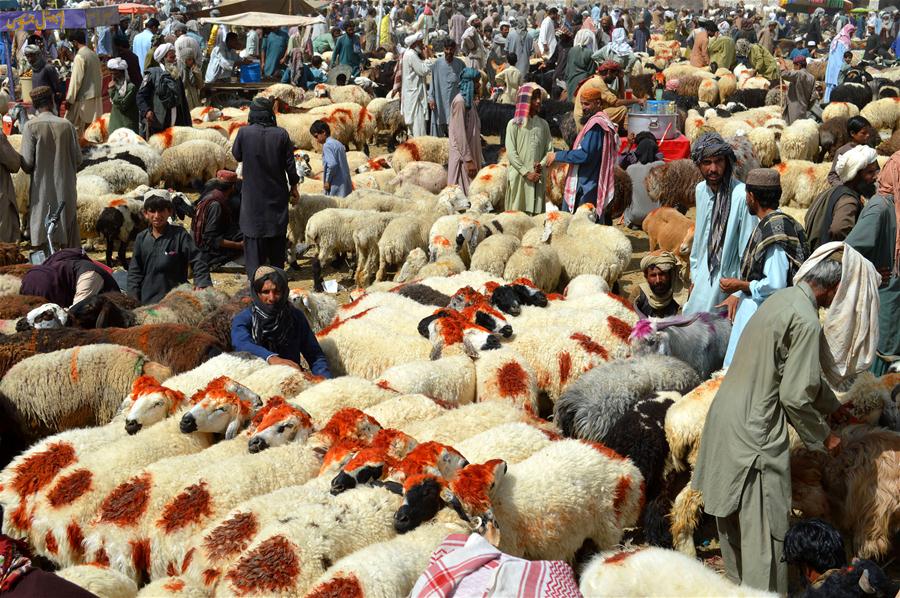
(848, 59)
(161, 255)
(316, 74)
(336, 173)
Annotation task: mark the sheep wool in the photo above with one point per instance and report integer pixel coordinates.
(175, 136)
(121, 176)
(504, 375)
(466, 421)
(9, 284)
(800, 140)
(428, 175)
(764, 145)
(513, 442)
(491, 182)
(425, 148)
(493, 253)
(175, 586)
(585, 285)
(835, 109)
(349, 120)
(403, 410)
(182, 305)
(450, 380)
(194, 161)
(802, 181)
(539, 263)
(101, 581)
(882, 114)
(324, 399)
(684, 423)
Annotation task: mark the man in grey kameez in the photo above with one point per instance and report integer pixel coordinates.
(444, 87)
(743, 468)
(518, 42)
(9, 212)
(800, 93)
(51, 155)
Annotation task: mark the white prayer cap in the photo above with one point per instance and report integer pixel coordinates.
(116, 64)
(504, 24)
(412, 39)
(472, 18)
(161, 51)
(724, 27)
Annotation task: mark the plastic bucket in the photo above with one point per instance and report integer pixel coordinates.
(251, 73)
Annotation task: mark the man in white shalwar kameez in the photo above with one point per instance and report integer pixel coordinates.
(413, 102)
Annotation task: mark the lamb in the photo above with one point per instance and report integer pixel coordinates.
(669, 230)
(882, 114)
(175, 136)
(343, 93)
(657, 572)
(504, 375)
(336, 231)
(121, 176)
(297, 126)
(591, 405)
(415, 261)
(538, 262)
(326, 398)
(672, 184)
(182, 305)
(700, 341)
(800, 141)
(427, 175)
(318, 308)
(763, 140)
(443, 260)
(100, 581)
(194, 162)
(492, 254)
(404, 410)
(596, 250)
(120, 220)
(835, 109)
(450, 381)
(802, 182)
(388, 119)
(427, 148)
(491, 182)
(139, 154)
(98, 130)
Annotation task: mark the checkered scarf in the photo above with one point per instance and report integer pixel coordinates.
(523, 102)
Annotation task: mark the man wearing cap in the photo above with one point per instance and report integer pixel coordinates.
(347, 49)
(773, 255)
(44, 74)
(51, 155)
(801, 92)
(471, 44)
(184, 43)
(444, 87)
(798, 50)
(654, 298)
(616, 108)
(123, 97)
(669, 26)
(413, 99)
(84, 98)
(721, 47)
(723, 224)
(143, 40)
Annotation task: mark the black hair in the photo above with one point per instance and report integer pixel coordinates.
(767, 197)
(42, 100)
(512, 58)
(152, 22)
(77, 36)
(713, 67)
(816, 544)
(855, 124)
(320, 126)
(848, 54)
(232, 36)
(316, 61)
(216, 184)
(155, 203)
(553, 11)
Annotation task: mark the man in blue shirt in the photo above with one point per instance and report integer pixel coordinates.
(143, 40)
(336, 173)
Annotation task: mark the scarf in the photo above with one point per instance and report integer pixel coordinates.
(706, 146)
(271, 325)
(467, 79)
(889, 184)
(523, 102)
(585, 38)
(618, 45)
(261, 112)
(843, 37)
(665, 261)
(775, 229)
(198, 222)
(647, 151)
(657, 302)
(15, 562)
(608, 152)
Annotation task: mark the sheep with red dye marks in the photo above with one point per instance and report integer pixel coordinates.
(103, 582)
(490, 183)
(349, 120)
(425, 148)
(404, 410)
(801, 181)
(504, 375)
(175, 136)
(182, 305)
(194, 161)
(450, 380)
(466, 421)
(513, 442)
(343, 93)
(326, 398)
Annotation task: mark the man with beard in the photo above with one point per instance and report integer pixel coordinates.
(616, 108)
(546, 41)
(413, 71)
(723, 224)
(773, 255)
(472, 44)
(654, 297)
(161, 100)
(444, 87)
(834, 213)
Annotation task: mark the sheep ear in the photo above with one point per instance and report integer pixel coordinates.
(233, 428)
(548, 232)
(436, 350)
(474, 240)
(864, 584)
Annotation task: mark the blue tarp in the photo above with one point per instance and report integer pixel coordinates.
(69, 18)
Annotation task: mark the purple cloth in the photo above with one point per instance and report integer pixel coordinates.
(55, 279)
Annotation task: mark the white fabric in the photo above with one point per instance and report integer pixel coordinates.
(472, 18)
(60, 317)
(412, 97)
(851, 162)
(724, 27)
(850, 330)
(585, 38)
(116, 64)
(546, 41)
(619, 43)
(669, 14)
(160, 52)
(415, 37)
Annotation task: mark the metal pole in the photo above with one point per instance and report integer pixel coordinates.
(7, 50)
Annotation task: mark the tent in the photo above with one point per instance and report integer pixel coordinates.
(263, 19)
(281, 7)
(130, 8)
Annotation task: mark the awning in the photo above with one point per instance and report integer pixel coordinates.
(130, 8)
(279, 7)
(69, 18)
(263, 19)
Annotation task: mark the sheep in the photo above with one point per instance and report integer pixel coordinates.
(297, 126)
(882, 114)
(504, 375)
(415, 261)
(684, 423)
(592, 404)
(585, 285)
(404, 410)
(841, 488)
(139, 154)
(120, 220)
(324, 399)
(175, 136)
(854, 92)
(491, 182)
(425, 148)
(92, 380)
(239, 366)
(98, 130)
(464, 422)
(450, 380)
(669, 230)
(700, 341)
(708, 91)
(336, 231)
(427, 175)
(101, 581)
(287, 94)
(644, 572)
(174, 586)
(492, 254)
(318, 308)
(443, 260)
(598, 249)
(763, 140)
(348, 120)
(91, 185)
(802, 181)
(835, 109)
(513, 443)
(9, 285)
(182, 305)
(121, 176)
(388, 119)
(343, 93)
(672, 184)
(727, 83)
(538, 262)
(194, 162)
(544, 511)
(800, 141)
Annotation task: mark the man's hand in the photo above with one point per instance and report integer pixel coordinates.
(731, 302)
(149, 117)
(551, 157)
(276, 360)
(471, 169)
(431, 104)
(532, 177)
(730, 285)
(833, 443)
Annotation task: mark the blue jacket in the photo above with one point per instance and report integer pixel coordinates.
(302, 343)
(588, 159)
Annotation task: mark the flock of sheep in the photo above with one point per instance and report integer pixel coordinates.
(221, 475)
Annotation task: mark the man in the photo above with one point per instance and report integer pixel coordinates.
(496, 59)
(412, 99)
(616, 108)
(860, 131)
(527, 142)
(700, 49)
(123, 51)
(654, 297)
(348, 50)
(336, 171)
(875, 235)
(834, 213)
(743, 469)
(458, 26)
(68, 277)
(800, 93)
(214, 225)
(223, 59)
(44, 74)
(51, 155)
(10, 162)
(723, 224)
(162, 253)
(444, 87)
(767, 37)
(270, 177)
(161, 99)
(274, 46)
(798, 50)
(472, 44)
(370, 32)
(519, 43)
(122, 96)
(464, 133)
(251, 45)
(669, 26)
(546, 41)
(593, 156)
(773, 255)
(325, 41)
(184, 43)
(721, 47)
(84, 100)
(143, 40)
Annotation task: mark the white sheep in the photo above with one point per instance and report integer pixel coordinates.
(836, 109)
(382, 180)
(348, 120)
(9, 284)
(98, 130)
(450, 380)
(504, 375)
(403, 410)
(800, 140)
(802, 181)
(121, 176)
(586, 285)
(239, 366)
(466, 421)
(91, 185)
(591, 249)
(194, 161)
(297, 127)
(765, 146)
(283, 92)
(883, 113)
(343, 93)
(100, 581)
(538, 262)
(427, 175)
(125, 136)
(513, 443)
(175, 136)
(492, 254)
(415, 261)
(175, 586)
(491, 182)
(427, 148)
(324, 399)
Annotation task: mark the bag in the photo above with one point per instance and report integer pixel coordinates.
(167, 91)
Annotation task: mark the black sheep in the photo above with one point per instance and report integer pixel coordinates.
(494, 117)
(100, 311)
(858, 94)
(751, 98)
(424, 295)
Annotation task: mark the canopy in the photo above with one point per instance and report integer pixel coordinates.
(279, 7)
(130, 8)
(263, 19)
(69, 18)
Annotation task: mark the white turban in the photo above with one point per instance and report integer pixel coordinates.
(117, 64)
(472, 18)
(669, 14)
(724, 27)
(504, 24)
(411, 39)
(31, 49)
(161, 51)
(851, 162)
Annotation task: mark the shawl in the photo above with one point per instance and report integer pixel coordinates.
(261, 112)
(15, 562)
(198, 222)
(888, 184)
(775, 229)
(850, 331)
(843, 37)
(523, 102)
(706, 146)
(467, 79)
(665, 261)
(271, 325)
(618, 45)
(647, 150)
(608, 151)
(585, 38)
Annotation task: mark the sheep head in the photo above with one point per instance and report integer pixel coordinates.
(372, 463)
(452, 199)
(321, 90)
(279, 423)
(149, 403)
(470, 492)
(348, 424)
(423, 476)
(470, 232)
(301, 164)
(555, 223)
(223, 407)
(646, 339)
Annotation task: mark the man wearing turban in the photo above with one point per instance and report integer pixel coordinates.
(598, 89)
(654, 297)
(721, 47)
(161, 99)
(723, 224)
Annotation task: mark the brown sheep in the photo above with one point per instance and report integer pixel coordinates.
(689, 86)
(10, 254)
(890, 145)
(670, 230)
(672, 184)
(17, 306)
(218, 323)
(621, 194)
(17, 270)
(858, 489)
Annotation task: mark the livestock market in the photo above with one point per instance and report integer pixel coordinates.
(429, 298)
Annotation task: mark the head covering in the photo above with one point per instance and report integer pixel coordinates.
(742, 47)
(229, 176)
(467, 79)
(179, 27)
(662, 259)
(160, 52)
(800, 60)
(850, 330)
(271, 325)
(590, 94)
(585, 38)
(647, 150)
(618, 44)
(472, 18)
(261, 112)
(666, 262)
(413, 39)
(193, 25)
(609, 65)
(669, 14)
(724, 27)
(41, 94)
(851, 162)
(811, 44)
(710, 145)
(523, 102)
(843, 37)
(116, 64)
(31, 49)
(764, 178)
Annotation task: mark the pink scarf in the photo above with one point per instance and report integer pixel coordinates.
(843, 37)
(606, 181)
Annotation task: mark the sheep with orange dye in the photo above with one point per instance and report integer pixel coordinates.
(450, 380)
(103, 582)
(425, 148)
